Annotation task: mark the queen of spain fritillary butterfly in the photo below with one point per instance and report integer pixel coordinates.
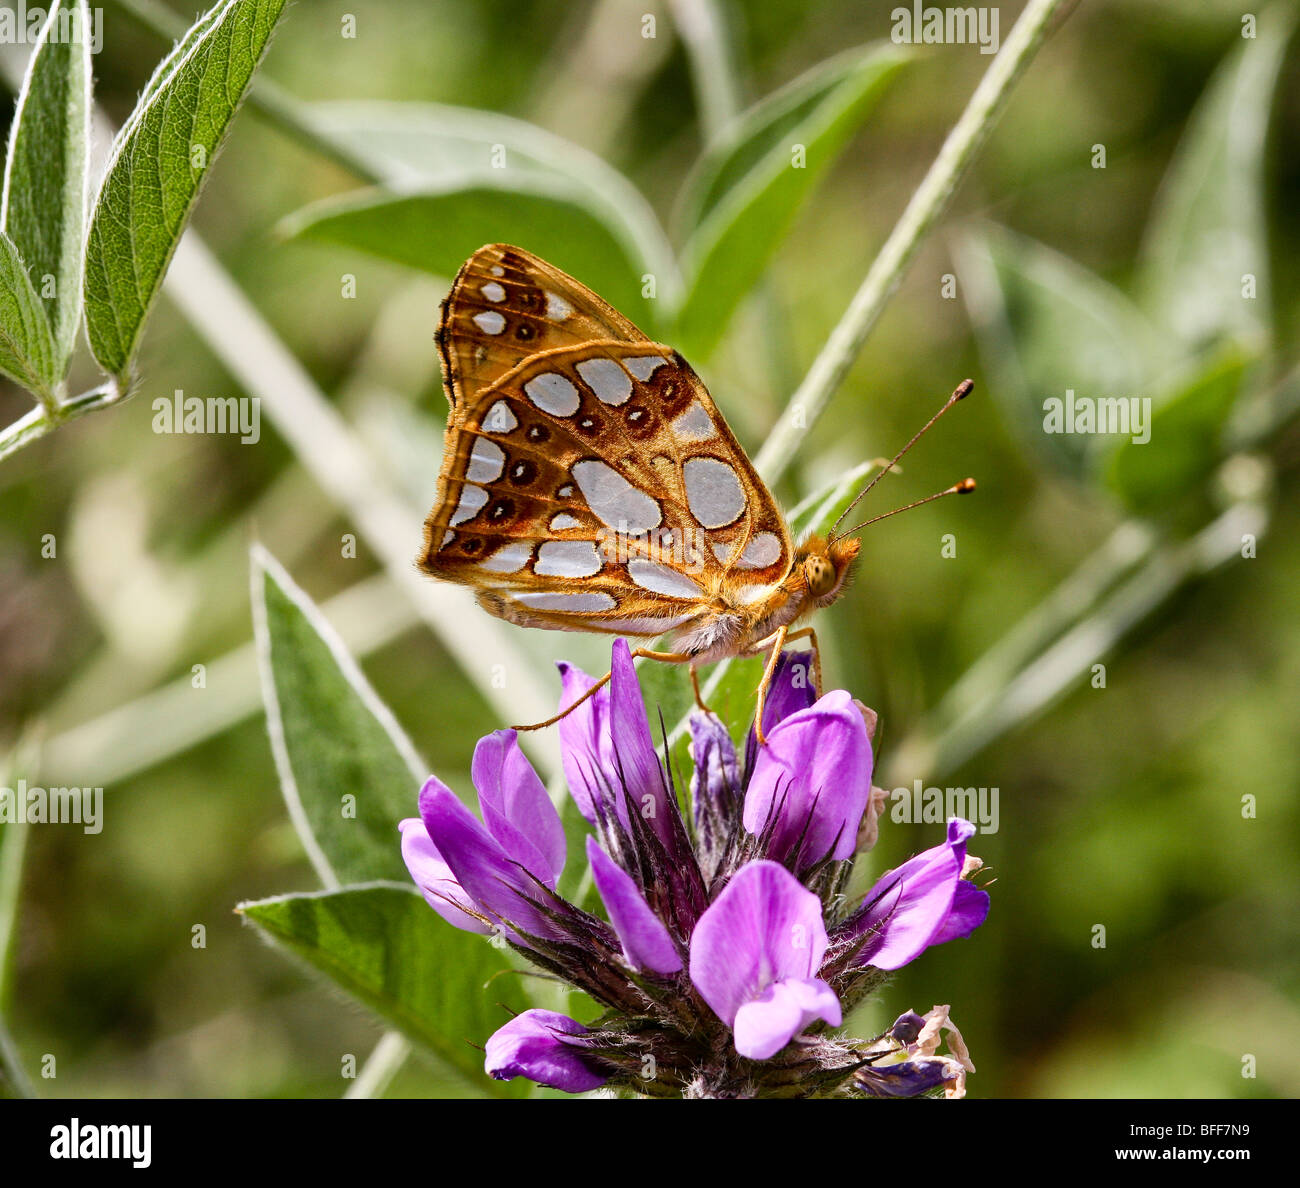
(589, 482)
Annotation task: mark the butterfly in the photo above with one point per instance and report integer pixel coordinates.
(589, 482)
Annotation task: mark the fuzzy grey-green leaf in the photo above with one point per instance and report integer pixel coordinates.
(410, 145)
(384, 946)
(1044, 323)
(160, 160)
(1205, 258)
(435, 229)
(44, 206)
(347, 770)
(745, 222)
(26, 344)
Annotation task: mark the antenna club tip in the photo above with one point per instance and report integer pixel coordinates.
(964, 389)
(966, 486)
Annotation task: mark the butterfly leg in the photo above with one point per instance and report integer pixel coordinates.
(637, 653)
(810, 634)
(783, 637)
(568, 709)
(778, 642)
(695, 684)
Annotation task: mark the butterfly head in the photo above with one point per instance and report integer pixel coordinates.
(822, 566)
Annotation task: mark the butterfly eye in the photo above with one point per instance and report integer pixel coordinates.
(819, 574)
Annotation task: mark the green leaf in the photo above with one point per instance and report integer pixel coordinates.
(44, 207)
(1209, 229)
(436, 229)
(160, 159)
(770, 122)
(414, 145)
(1046, 324)
(385, 946)
(754, 187)
(1186, 442)
(332, 737)
(26, 343)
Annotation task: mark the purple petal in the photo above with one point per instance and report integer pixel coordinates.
(908, 908)
(646, 942)
(608, 753)
(792, 689)
(970, 907)
(434, 878)
(533, 1045)
(764, 1026)
(907, 1027)
(765, 927)
(910, 1078)
(814, 773)
(516, 808)
(585, 745)
(492, 880)
(635, 759)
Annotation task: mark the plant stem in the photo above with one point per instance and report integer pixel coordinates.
(927, 203)
(13, 850)
(11, 1065)
(1126, 548)
(388, 1055)
(42, 420)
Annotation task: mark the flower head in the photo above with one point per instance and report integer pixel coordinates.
(726, 957)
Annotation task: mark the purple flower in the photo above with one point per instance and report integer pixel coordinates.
(716, 778)
(913, 1077)
(751, 902)
(515, 806)
(924, 902)
(475, 874)
(541, 1046)
(809, 785)
(754, 957)
(608, 752)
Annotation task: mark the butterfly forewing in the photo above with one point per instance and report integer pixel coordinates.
(507, 304)
(591, 484)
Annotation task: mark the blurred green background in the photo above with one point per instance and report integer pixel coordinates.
(1119, 806)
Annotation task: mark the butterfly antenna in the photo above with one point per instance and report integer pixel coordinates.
(962, 390)
(965, 487)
